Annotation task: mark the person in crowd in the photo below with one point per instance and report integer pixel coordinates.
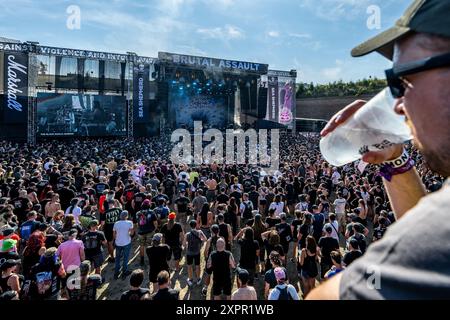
(123, 230)
(308, 260)
(282, 290)
(221, 262)
(136, 291)
(173, 236)
(193, 241)
(165, 293)
(244, 291)
(158, 256)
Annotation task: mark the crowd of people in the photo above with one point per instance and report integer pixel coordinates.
(69, 208)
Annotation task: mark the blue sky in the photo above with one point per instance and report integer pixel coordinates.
(313, 36)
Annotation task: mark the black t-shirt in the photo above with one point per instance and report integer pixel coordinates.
(89, 292)
(328, 244)
(92, 241)
(305, 230)
(182, 203)
(134, 295)
(285, 233)
(157, 256)
(253, 196)
(172, 236)
(237, 195)
(271, 222)
(351, 256)
(222, 198)
(247, 184)
(65, 195)
(248, 253)
(166, 295)
(169, 184)
(138, 199)
(296, 224)
(110, 217)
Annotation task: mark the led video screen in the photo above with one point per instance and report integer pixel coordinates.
(81, 115)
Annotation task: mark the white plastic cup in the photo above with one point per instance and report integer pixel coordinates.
(374, 127)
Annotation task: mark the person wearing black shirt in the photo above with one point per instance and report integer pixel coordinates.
(327, 244)
(220, 262)
(181, 206)
(284, 231)
(93, 241)
(147, 223)
(158, 257)
(271, 241)
(271, 220)
(136, 292)
(173, 236)
(249, 252)
(225, 231)
(169, 188)
(165, 293)
(107, 220)
(353, 253)
(253, 196)
(222, 198)
(65, 195)
(88, 284)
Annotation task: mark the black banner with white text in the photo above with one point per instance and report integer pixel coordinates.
(141, 93)
(15, 104)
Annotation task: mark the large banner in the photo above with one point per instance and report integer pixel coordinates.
(287, 103)
(15, 88)
(141, 93)
(213, 63)
(81, 115)
(272, 111)
(281, 98)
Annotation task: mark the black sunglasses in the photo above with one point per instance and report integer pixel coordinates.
(394, 75)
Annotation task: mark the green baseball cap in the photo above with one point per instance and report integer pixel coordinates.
(426, 16)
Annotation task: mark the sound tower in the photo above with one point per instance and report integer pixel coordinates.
(262, 103)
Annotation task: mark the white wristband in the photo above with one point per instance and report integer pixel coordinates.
(400, 161)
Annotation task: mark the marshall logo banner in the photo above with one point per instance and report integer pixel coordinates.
(16, 88)
(141, 93)
(272, 112)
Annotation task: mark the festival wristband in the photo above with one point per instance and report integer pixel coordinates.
(387, 171)
(400, 161)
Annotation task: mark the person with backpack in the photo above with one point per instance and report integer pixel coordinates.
(46, 277)
(193, 243)
(246, 209)
(282, 291)
(147, 224)
(162, 212)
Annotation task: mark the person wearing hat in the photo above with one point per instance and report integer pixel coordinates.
(93, 241)
(147, 224)
(244, 292)
(158, 256)
(419, 46)
(9, 279)
(173, 236)
(123, 230)
(282, 290)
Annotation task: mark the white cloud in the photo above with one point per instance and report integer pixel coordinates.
(228, 32)
(273, 34)
(300, 35)
(334, 10)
